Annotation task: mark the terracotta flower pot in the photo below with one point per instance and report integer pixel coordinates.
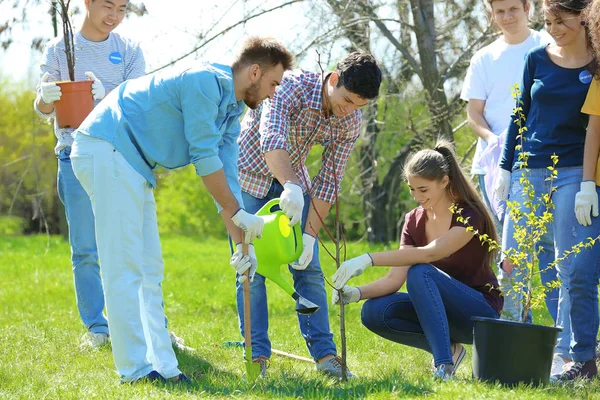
(75, 103)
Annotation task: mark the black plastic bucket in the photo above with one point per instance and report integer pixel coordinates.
(512, 352)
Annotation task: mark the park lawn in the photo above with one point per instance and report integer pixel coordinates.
(40, 332)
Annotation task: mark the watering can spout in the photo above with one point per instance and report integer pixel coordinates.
(304, 306)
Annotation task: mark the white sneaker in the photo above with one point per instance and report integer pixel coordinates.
(558, 365)
(333, 366)
(91, 339)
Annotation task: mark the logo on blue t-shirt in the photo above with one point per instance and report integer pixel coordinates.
(585, 77)
(115, 57)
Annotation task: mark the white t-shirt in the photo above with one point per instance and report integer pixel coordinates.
(494, 70)
(113, 61)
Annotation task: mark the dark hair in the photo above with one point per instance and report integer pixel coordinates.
(592, 18)
(359, 74)
(264, 51)
(435, 164)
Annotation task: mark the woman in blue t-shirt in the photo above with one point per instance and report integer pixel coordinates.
(555, 82)
(444, 265)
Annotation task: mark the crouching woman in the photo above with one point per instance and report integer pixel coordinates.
(445, 265)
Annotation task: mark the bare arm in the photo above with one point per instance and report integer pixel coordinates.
(447, 244)
(318, 208)
(476, 119)
(592, 148)
(279, 164)
(388, 284)
(217, 186)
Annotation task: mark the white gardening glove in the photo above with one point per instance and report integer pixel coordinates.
(491, 140)
(586, 201)
(242, 263)
(49, 91)
(350, 294)
(350, 269)
(291, 202)
(249, 223)
(308, 246)
(502, 185)
(98, 90)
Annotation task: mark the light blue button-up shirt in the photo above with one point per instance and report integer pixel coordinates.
(172, 119)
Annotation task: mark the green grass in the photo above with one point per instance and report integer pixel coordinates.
(40, 333)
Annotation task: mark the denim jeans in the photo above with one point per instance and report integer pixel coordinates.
(435, 312)
(583, 293)
(561, 236)
(131, 256)
(82, 238)
(309, 283)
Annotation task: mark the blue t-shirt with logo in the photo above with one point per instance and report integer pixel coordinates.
(552, 97)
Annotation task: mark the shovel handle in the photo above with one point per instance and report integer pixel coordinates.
(247, 323)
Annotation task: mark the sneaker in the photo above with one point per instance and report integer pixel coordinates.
(458, 354)
(558, 365)
(333, 366)
(178, 342)
(264, 364)
(575, 370)
(152, 377)
(444, 372)
(181, 378)
(91, 339)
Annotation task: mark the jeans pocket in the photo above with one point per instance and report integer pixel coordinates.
(83, 168)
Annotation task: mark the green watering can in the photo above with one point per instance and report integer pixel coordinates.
(280, 245)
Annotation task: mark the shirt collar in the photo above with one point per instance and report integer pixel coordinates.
(232, 104)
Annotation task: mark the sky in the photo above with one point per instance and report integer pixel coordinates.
(169, 30)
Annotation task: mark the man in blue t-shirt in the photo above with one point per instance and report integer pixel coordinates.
(168, 119)
(108, 59)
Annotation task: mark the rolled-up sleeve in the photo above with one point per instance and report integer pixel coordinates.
(200, 96)
(275, 118)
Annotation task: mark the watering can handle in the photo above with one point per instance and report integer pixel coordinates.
(266, 209)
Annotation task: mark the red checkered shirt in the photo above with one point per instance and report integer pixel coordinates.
(294, 121)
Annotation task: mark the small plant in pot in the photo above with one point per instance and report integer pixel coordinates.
(76, 101)
(520, 352)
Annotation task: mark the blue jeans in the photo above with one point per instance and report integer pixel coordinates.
(82, 238)
(435, 312)
(561, 236)
(309, 283)
(583, 294)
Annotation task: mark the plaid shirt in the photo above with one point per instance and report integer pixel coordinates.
(294, 121)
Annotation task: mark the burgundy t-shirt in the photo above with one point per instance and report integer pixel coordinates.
(467, 264)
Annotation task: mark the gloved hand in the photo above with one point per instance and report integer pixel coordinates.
(241, 263)
(586, 201)
(249, 223)
(350, 294)
(351, 268)
(291, 202)
(491, 140)
(49, 91)
(308, 246)
(502, 185)
(98, 90)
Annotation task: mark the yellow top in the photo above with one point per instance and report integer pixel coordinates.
(592, 107)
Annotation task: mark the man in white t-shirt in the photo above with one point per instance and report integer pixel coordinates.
(494, 70)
